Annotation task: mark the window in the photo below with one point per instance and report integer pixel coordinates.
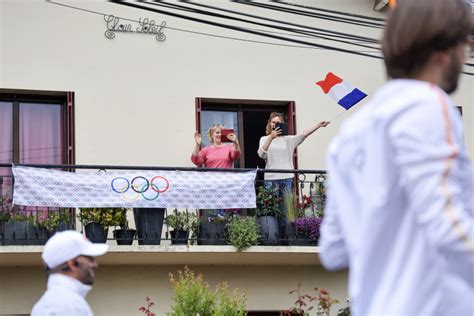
(248, 118)
(36, 127)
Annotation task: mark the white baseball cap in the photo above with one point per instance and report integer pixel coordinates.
(67, 245)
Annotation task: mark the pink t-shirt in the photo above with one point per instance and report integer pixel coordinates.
(216, 157)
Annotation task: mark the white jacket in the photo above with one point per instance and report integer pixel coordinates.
(399, 211)
(64, 296)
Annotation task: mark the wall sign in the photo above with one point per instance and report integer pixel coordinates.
(145, 26)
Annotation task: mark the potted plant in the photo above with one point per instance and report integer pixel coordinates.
(302, 225)
(307, 229)
(212, 229)
(182, 224)
(96, 222)
(267, 210)
(17, 227)
(124, 235)
(58, 220)
(242, 232)
(149, 224)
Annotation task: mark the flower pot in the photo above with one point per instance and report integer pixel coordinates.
(179, 237)
(212, 233)
(23, 233)
(124, 236)
(297, 239)
(149, 224)
(95, 233)
(268, 227)
(14, 233)
(36, 235)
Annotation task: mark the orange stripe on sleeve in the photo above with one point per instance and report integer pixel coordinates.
(444, 179)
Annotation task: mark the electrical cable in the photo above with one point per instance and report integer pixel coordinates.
(329, 11)
(232, 27)
(317, 35)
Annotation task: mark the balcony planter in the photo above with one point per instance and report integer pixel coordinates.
(96, 233)
(23, 233)
(295, 238)
(149, 224)
(179, 237)
(124, 236)
(212, 233)
(268, 228)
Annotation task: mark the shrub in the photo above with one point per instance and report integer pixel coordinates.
(104, 216)
(242, 232)
(267, 202)
(192, 296)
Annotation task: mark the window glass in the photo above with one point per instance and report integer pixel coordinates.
(226, 118)
(41, 133)
(6, 146)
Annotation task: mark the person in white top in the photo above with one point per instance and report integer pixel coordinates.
(399, 209)
(278, 149)
(70, 262)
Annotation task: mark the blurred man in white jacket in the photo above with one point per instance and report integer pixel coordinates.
(70, 262)
(399, 210)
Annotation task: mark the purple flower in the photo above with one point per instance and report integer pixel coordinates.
(308, 226)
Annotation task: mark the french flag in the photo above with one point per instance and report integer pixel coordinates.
(340, 91)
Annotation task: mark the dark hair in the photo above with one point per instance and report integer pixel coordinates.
(417, 28)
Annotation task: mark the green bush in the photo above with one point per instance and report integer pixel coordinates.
(230, 305)
(104, 216)
(242, 232)
(192, 296)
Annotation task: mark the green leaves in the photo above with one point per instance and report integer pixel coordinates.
(193, 296)
(242, 232)
(267, 202)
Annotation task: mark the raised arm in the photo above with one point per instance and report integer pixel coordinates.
(196, 158)
(235, 154)
(314, 128)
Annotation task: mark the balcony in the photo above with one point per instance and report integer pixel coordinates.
(286, 222)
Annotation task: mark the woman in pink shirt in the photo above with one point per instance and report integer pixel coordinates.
(218, 154)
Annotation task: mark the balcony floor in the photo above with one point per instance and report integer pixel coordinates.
(178, 255)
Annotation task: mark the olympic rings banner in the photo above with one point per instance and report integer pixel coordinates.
(164, 189)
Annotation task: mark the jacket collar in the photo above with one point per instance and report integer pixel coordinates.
(57, 280)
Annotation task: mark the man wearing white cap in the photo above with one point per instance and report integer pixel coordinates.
(70, 262)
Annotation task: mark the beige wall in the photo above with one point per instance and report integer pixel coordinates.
(121, 290)
(135, 105)
(135, 96)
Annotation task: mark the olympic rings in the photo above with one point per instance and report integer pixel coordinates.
(160, 177)
(153, 186)
(140, 186)
(144, 188)
(123, 190)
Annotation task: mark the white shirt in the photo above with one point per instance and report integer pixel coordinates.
(399, 210)
(64, 296)
(279, 155)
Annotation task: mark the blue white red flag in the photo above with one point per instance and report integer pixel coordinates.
(341, 91)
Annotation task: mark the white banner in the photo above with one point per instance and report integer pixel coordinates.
(166, 189)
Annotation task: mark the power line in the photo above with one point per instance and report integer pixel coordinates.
(201, 33)
(315, 15)
(329, 11)
(236, 28)
(310, 14)
(308, 33)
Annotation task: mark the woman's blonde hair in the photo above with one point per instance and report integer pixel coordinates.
(269, 123)
(212, 129)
